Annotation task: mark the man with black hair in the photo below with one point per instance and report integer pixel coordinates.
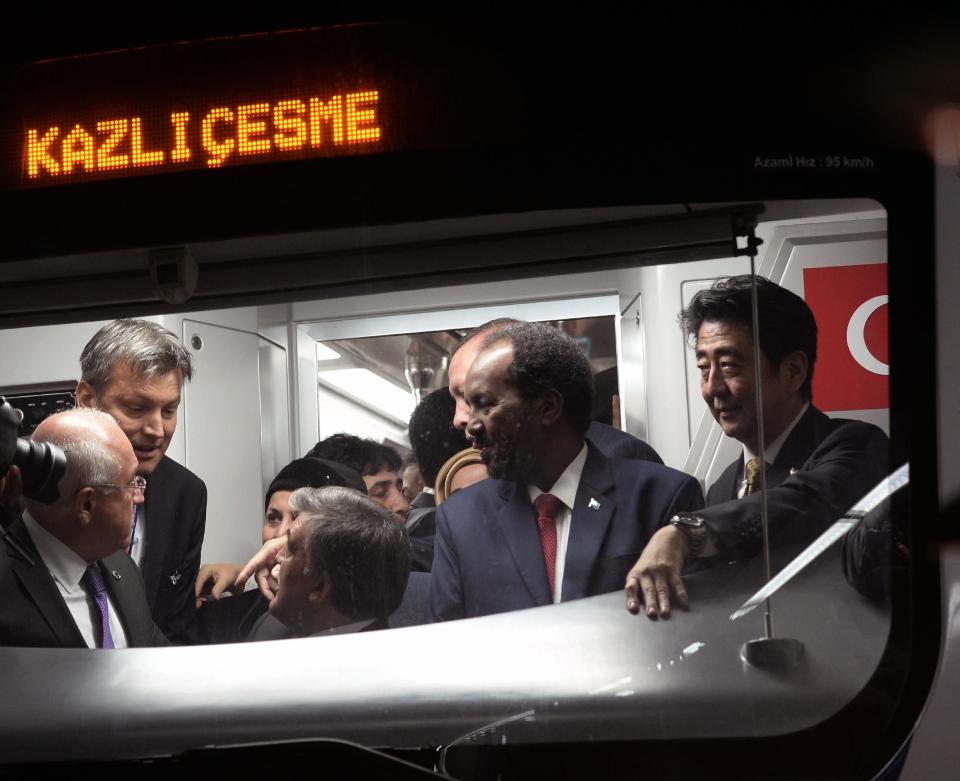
(558, 520)
(434, 440)
(816, 467)
(378, 464)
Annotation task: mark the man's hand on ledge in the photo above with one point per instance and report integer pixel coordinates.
(657, 573)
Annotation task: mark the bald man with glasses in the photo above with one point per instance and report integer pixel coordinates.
(65, 577)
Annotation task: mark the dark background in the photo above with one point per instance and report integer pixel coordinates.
(658, 108)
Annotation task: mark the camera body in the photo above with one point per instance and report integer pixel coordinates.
(41, 464)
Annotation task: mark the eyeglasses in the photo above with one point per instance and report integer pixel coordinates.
(138, 485)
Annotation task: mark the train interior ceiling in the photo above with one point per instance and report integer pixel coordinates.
(296, 337)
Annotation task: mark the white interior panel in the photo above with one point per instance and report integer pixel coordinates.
(222, 433)
(44, 354)
(274, 410)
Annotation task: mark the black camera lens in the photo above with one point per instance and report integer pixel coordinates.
(41, 464)
(41, 467)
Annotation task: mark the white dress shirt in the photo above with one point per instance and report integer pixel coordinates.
(67, 568)
(773, 449)
(139, 533)
(565, 489)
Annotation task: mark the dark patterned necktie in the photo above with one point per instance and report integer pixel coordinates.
(133, 534)
(751, 476)
(98, 590)
(548, 508)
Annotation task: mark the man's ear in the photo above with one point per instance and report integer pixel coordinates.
(322, 592)
(86, 395)
(794, 369)
(84, 504)
(551, 407)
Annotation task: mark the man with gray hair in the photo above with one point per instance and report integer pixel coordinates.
(135, 370)
(344, 568)
(65, 579)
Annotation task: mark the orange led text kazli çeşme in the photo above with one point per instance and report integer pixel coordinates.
(211, 139)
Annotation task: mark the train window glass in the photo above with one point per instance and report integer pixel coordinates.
(370, 385)
(536, 675)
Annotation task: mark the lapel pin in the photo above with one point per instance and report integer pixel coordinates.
(116, 574)
(793, 470)
(593, 504)
(175, 577)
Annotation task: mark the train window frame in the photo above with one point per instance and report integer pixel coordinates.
(81, 652)
(615, 114)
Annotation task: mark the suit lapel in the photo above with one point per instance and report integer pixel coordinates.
(727, 485)
(123, 599)
(806, 435)
(157, 508)
(798, 447)
(42, 590)
(518, 524)
(593, 510)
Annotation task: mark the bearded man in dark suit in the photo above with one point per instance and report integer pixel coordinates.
(611, 441)
(558, 519)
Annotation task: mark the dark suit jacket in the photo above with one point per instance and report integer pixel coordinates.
(269, 628)
(238, 618)
(422, 528)
(230, 619)
(33, 614)
(614, 443)
(422, 501)
(413, 609)
(488, 555)
(873, 551)
(176, 508)
(835, 463)
(422, 522)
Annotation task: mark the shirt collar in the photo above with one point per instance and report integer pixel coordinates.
(774, 448)
(64, 565)
(565, 489)
(345, 629)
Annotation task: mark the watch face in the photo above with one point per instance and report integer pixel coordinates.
(689, 521)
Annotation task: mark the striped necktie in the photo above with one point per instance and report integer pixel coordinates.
(98, 590)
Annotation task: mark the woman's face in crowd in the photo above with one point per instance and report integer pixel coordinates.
(279, 515)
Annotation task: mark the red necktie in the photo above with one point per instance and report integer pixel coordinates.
(548, 507)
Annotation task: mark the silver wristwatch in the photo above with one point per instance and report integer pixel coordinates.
(695, 529)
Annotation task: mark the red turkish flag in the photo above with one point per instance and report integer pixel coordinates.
(850, 305)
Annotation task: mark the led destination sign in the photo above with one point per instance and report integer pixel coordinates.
(217, 135)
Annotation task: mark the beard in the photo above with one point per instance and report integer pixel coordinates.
(509, 456)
